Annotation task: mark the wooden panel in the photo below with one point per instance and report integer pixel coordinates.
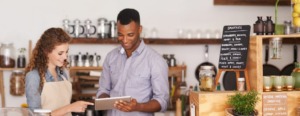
(213, 103)
(251, 2)
(292, 101)
(2, 92)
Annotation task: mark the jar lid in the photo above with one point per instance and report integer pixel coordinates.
(206, 67)
(241, 79)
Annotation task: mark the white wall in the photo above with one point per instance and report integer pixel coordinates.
(22, 21)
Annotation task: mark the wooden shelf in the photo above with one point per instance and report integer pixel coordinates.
(86, 68)
(11, 69)
(164, 41)
(184, 41)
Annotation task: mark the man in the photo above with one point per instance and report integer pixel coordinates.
(134, 69)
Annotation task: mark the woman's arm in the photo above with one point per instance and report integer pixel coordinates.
(78, 106)
(33, 95)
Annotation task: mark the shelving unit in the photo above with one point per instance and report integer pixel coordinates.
(214, 103)
(2, 92)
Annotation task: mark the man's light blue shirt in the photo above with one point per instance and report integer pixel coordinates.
(143, 76)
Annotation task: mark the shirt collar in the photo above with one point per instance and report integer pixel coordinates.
(139, 50)
(50, 77)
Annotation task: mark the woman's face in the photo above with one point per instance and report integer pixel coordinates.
(58, 55)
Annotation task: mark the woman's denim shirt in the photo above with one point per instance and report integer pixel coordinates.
(32, 84)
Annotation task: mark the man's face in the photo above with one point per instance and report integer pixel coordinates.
(128, 35)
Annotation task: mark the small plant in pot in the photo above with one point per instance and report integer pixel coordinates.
(244, 103)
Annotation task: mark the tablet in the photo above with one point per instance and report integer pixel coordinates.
(108, 103)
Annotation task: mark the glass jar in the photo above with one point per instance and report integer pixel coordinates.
(296, 75)
(276, 45)
(7, 56)
(296, 15)
(17, 84)
(207, 78)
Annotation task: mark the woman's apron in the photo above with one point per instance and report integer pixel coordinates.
(56, 95)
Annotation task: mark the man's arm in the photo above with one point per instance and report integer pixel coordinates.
(151, 106)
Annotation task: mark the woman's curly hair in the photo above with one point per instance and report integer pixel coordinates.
(39, 58)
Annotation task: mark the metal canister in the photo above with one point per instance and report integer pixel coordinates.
(112, 29)
(102, 28)
(288, 29)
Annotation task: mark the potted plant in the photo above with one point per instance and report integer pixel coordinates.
(243, 103)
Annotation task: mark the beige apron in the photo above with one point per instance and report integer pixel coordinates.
(56, 94)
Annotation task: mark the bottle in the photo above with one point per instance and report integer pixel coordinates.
(218, 87)
(241, 84)
(269, 26)
(259, 26)
(17, 85)
(296, 75)
(21, 61)
(172, 60)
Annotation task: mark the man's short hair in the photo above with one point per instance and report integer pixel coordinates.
(127, 15)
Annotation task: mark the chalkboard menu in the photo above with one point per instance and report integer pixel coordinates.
(234, 47)
(275, 104)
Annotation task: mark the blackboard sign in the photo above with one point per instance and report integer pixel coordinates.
(234, 47)
(275, 104)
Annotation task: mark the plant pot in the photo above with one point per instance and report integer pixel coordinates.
(229, 112)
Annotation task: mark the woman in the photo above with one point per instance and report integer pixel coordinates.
(46, 82)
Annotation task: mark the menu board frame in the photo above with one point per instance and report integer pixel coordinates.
(234, 47)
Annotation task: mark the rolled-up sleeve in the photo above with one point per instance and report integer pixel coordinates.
(33, 96)
(160, 84)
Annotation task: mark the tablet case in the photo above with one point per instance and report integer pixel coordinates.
(108, 103)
